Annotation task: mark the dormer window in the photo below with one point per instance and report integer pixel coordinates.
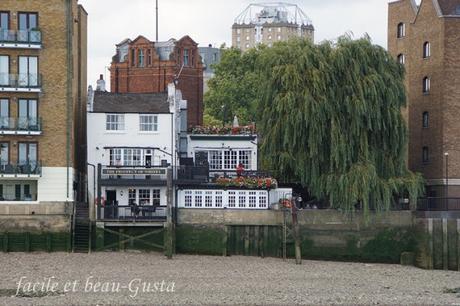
(141, 58)
(401, 59)
(401, 30)
(186, 57)
(426, 50)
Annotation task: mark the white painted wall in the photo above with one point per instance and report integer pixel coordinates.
(98, 137)
(52, 186)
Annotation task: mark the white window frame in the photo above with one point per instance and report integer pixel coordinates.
(148, 123)
(114, 122)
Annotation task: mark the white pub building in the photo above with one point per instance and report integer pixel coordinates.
(133, 139)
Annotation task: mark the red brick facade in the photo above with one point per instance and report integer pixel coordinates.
(143, 66)
(432, 114)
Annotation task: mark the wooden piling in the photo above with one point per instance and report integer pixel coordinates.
(430, 243)
(169, 239)
(246, 240)
(458, 244)
(445, 245)
(225, 241)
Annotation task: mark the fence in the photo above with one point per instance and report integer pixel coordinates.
(438, 204)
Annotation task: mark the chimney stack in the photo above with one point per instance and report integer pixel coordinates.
(100, 84)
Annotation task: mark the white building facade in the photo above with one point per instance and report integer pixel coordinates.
(132, 140)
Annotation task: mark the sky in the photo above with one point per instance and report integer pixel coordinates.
(210, 21)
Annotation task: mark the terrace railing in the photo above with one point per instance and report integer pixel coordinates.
(21, 36)
(21, 169)
(27, 124)
(438, 204)
(22, 80)
(115, 212)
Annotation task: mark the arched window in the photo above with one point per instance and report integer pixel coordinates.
(401, 30)
(426, 119)
(425, 155)
(426, 50)
(401, 59)
(141, 58)
(426, 85)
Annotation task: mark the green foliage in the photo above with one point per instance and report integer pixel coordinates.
(329, 116)
(331, 119)
(233, 90)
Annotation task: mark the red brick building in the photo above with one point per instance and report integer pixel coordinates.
(143, 66)
(425, 39)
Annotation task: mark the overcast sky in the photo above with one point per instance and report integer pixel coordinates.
(210, 21)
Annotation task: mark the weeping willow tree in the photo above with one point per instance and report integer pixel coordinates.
(331, 119)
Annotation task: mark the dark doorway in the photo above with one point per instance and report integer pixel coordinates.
(111, 209)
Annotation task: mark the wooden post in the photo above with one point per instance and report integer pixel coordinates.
(169, 217)
(48, 242)
(225, 241)
(246, 241)
(100, 236)
(257, 240)
(121, 244)
(445, 246)
(296, 233)
(5, 242)
(458, 244)
(265, 241)
(430, 243)
(27, 241)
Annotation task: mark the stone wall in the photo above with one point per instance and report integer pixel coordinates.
(325, 234)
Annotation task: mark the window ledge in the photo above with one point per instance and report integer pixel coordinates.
(115, 132)
(149, 132)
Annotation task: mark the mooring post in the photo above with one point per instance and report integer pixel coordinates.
(169, 216)
(458, 244)
(295, 230)
(225, 241)
(430, 242)
(445, 246)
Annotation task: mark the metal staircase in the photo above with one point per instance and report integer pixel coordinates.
(81, 228)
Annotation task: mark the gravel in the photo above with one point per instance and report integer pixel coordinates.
(215, 280)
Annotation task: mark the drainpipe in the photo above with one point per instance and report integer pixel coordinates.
(69, 21)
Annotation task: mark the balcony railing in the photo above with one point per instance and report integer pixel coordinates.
(20, 37)
(438, 204)
(22, 80)
(27, 125)
(115, 212)
(32, 168)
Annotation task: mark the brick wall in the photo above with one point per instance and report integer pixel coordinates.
(425, 25)
(155, 76)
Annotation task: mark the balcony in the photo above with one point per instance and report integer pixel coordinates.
(20, 126)
(25, 82)
(115, 212)
(8, 170)
(22, 39)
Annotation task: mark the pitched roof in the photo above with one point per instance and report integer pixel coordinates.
(449, 7)
(108, 102)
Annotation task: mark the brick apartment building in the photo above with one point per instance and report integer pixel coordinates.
(42, 104)
(426, 40)
(143, 66)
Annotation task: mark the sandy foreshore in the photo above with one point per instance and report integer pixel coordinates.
(149, 278)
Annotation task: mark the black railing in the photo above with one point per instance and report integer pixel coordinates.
(132, 212)
(193, 173)
(21, 36)
(438, 204)
(25, 124)
(21, 168)
(22, 80)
